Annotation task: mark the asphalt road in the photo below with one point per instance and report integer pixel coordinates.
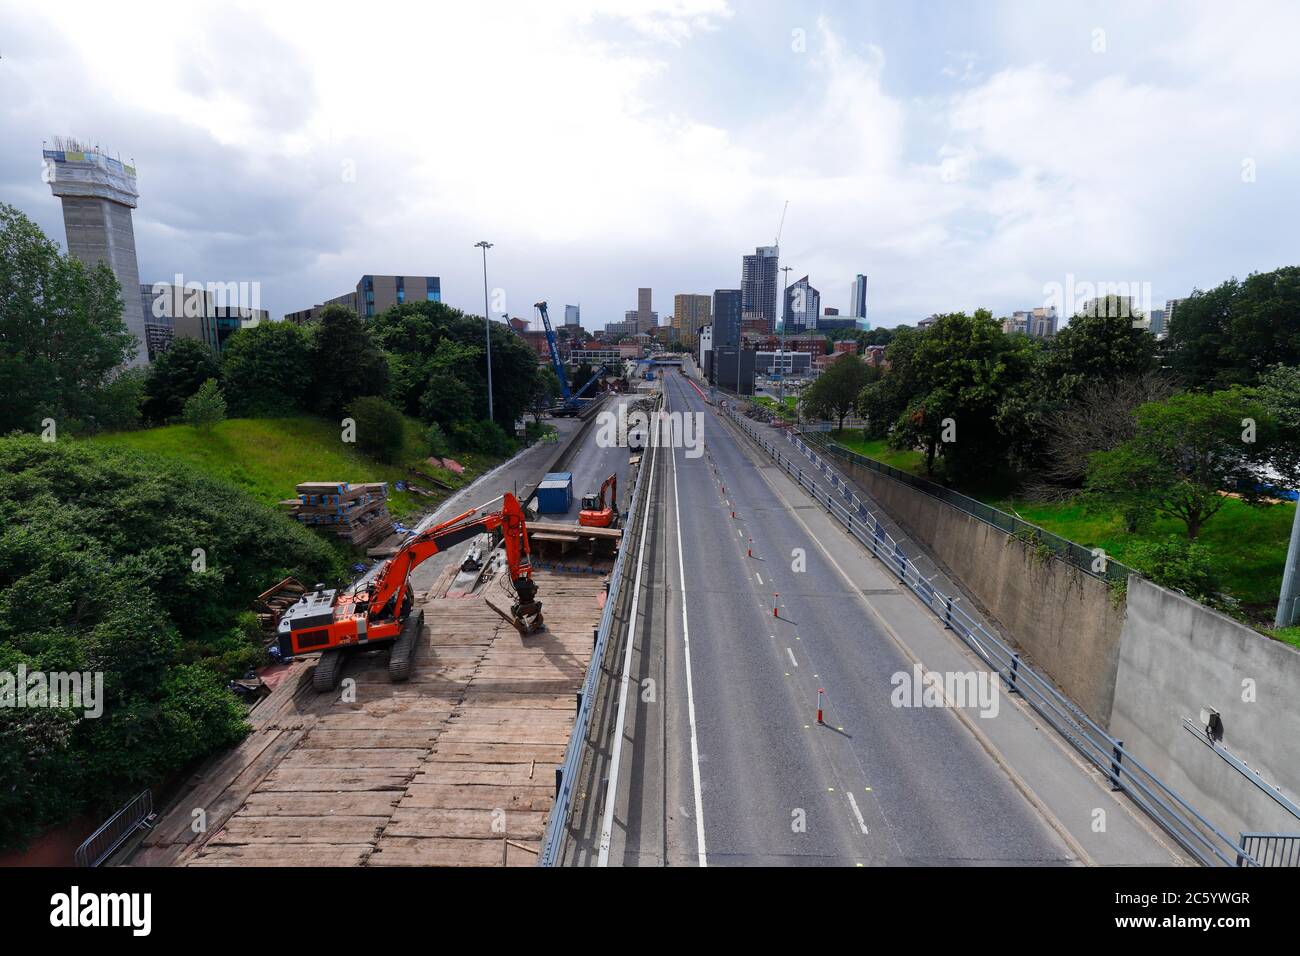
(726, 762)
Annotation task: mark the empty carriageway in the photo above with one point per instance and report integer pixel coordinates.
(758, 617)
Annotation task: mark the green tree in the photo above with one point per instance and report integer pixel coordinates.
(959, 376)
(346, 363)
(1279, 393)
(1097, 347)
(834, 393)
(206, 407)
(1179, 564)
(412, 334)
(1187, 451)
(61, 335)
(1232, 333)
(174, 376)
(381, 430)
(546, 391)
(266, 369)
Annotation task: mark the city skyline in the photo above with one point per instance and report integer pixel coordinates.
(960, 160)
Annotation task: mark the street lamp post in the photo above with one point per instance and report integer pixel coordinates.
(780, 355)
(487, 322)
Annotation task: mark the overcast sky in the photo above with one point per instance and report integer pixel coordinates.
(961, 154)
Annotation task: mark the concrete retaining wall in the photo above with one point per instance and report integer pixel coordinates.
(1064, 619)
(1178, 657)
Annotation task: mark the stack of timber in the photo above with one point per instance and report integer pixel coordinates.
(356, 513)
(271, 603)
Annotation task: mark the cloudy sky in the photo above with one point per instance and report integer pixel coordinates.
(962, 154)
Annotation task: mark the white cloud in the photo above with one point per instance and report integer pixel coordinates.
(548, 128)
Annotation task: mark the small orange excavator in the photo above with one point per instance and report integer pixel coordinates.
(595, 512)
(376, 610)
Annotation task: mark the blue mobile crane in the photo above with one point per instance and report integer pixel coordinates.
(571, 402)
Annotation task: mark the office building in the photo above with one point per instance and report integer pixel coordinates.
(573, 315)
(725, 372)
(802, 305)
(178, 311)
(726, 316)
(646, 319)
(758, 287)
(691, 313)
(375, 294)
(858, 297)
(1157, 324)
(98, 193)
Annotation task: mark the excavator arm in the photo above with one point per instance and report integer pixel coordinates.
(391, 583)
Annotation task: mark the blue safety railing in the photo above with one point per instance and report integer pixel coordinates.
(1196, 834)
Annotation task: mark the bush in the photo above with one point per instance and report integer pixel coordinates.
(206, 407)
(99, 572)
(1181, 565)
(266, 369)
(439, 446)
(176, 375)
(381, 429)
(484, 436)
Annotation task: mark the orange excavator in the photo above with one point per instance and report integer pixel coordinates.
(595, 512)
(377, 609)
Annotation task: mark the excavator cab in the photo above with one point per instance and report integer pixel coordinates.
(596, 513)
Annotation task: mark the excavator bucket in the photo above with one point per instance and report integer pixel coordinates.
(525, 614)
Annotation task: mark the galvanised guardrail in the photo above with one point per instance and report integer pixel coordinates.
(1270, 849)
(115, 831)
(1196, 834)
(1068, 551)
(566, 774)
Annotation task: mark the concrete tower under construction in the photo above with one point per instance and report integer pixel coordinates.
(98, 194)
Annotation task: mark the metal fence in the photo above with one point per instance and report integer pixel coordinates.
(115, 831)
(1270, 849)
(1196, 834)
(566, 774)
(1068, 551)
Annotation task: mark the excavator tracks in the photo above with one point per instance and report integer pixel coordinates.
(399, 661)
(328, 668)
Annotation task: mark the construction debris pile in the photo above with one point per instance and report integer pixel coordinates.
(356, 513)
(271, 603)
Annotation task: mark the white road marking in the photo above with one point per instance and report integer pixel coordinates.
(856, 812)
(611, 790)
(690, 693)
(759, 576)
(792, 660)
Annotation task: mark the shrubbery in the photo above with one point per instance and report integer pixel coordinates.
(381, 430)
(136, 567)
(485, 436)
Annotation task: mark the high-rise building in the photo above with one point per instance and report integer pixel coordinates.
(375, 294)
(179, 312)
(758, 286)
(1158, 323)
(98, 193)
(726, 317)
(646, 320)
(802, 304)
(690, 313)
(858, 297)
(572, 315)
